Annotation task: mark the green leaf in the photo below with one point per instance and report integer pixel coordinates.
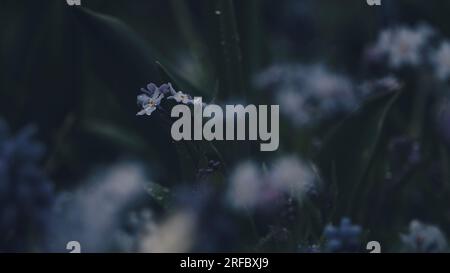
(198, 49)
(226, 46)
(349, 149)
(253, 43)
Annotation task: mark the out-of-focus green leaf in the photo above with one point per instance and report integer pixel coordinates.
(349, 149)
(186, 23)
(120, 136)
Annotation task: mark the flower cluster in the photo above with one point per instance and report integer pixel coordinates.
(26, 195)
(251, 186)
(307, 94)
(153, 95)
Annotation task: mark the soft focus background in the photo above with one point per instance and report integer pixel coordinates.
(364, 126)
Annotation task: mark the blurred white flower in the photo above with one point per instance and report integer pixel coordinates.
(292, 104)
(331, 91)
(424, 238)
(246, 184)
(308, 93)
(176, 234)
(441, 61)
(402, 45)
(250, 186)
(289, 174)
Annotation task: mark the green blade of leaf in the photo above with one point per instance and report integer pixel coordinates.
(178, 81)
(350, 147)
(226, 45)
(119, 55)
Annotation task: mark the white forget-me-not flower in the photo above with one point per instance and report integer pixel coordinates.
(150, 100)
(153, 95)
(181, 97)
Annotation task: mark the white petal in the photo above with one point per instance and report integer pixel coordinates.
(156, 94)
(143, 99)
(141, 113)
(149, 110)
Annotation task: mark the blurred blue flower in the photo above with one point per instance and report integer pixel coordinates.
(343, 238)
(404, 152)
(26, 195)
